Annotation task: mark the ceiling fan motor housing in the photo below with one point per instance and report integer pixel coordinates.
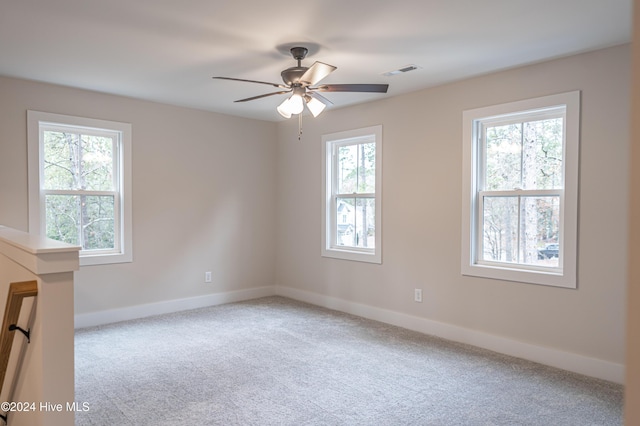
(291, 76)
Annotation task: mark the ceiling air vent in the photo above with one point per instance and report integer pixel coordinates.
(404, 69)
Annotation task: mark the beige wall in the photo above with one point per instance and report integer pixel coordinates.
(214, 192)
(203, 195)
(632, 391)
(422, 174)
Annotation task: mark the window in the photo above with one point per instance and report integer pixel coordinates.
(521, 190)
(352, 195)
(79, 184)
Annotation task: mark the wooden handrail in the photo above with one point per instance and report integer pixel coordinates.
(17, 292)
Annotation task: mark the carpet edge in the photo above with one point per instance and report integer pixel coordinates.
(109, 316)
(573, 362)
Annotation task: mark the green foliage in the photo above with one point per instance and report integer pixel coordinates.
(356, 168)
(520, 150)
(75, 165)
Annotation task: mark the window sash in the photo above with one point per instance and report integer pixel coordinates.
(116, 148)
(480, 138)
(335, 160)
(519, 195)
(117, 240)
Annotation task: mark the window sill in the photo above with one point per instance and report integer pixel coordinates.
(553, 278)
(353, 255)
(105, 259)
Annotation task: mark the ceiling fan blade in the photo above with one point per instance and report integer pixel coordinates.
(319, 97)
(263, 96)
(316, 72)
(372, 88)
(282, 86)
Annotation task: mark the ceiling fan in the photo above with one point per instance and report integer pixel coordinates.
(302, 82)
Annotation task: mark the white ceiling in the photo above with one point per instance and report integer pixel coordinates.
(168, 50)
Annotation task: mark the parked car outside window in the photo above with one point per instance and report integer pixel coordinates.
(550, 250)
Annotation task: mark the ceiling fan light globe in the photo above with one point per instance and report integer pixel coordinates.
(284, 109)
(295, 104)
(315, 106)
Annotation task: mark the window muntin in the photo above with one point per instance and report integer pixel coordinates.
(351, 204)
(80, 186)
(520, 185)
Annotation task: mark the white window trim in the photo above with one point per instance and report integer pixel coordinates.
(36, 196)
(328, 204)
(566, 275)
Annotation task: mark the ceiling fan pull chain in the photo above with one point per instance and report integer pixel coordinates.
(299, 126)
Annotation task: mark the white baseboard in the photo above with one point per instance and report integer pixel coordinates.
(553, 357)
(140, 311)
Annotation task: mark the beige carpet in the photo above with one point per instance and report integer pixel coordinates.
(274, 361)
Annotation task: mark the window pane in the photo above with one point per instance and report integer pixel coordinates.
(355, 225)
(365, 222)
(84, 220)
(367, 168)
(503, 157)
(73, 161)
(63, 218)
(539, 231)
(522, 230)
(97, 163)
(98, 225)
(524, 155)
(347, 169)
(542, 154)
(346, 222)
(356, 168)
(500, 229)
(60, 160)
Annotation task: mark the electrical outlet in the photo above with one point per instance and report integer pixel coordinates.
(207, 277)
(417, 295)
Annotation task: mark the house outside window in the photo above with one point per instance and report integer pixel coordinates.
(351, 223)
(520, 191)
(79, 184)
